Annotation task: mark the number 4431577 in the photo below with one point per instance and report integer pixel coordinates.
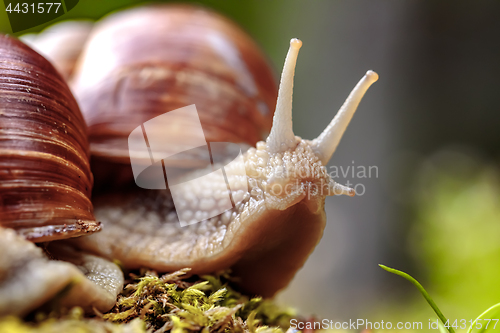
(39, 8)
(478, 323)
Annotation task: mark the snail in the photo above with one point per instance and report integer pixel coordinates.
(45, 187)
(61, 44)
(30, 279)
(144, 62)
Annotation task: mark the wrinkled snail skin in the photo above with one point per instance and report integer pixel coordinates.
(28, 279)
(97, 282)
(269, 233)
(143, 62)
(45, 178)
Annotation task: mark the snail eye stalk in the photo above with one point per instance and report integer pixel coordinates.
(281, 137)
(326, 143)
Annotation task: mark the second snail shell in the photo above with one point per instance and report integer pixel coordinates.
(141, 63)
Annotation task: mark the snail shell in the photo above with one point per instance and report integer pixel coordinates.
(45, 178)
(144, 62)
(45, 185)
(269, 233)
(61, 44)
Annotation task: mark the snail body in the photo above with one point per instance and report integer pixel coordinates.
(274, 226)
(29, 278)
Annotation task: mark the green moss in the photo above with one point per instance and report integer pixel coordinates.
(206, 304)
(171, 303)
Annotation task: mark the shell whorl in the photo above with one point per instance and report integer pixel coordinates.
(144, 62)
(45, 173)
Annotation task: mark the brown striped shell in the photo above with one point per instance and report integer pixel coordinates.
(143, 62)
(45, 178)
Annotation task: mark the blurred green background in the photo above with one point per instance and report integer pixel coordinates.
(431, 127)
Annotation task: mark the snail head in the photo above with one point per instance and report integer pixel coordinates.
(290, 169)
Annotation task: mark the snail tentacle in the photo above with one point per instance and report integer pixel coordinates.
(281, 137)
(339, 189)
(326, 143)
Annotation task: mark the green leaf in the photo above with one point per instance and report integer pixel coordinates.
(481, 316)
(422, 291)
